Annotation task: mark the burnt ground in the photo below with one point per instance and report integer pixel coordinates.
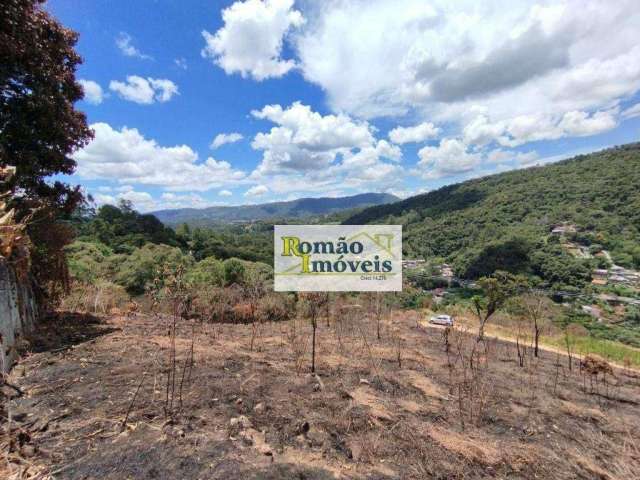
(395, 408)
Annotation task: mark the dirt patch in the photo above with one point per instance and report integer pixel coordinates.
(428, 388)
(366, 397)
(471, 446)
(243, 413)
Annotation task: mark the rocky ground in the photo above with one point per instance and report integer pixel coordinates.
(90, 400)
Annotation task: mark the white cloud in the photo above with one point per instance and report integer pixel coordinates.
(224, 138)
(527, 158)
(144, 91)
(145, 202)
(416, 134)
(181, 63)
(306, 150)
(103, 199)
(449, 158)
(251, 40)
(305, 140)
(499, 156)
(126, 156)
(164, 89)
(169, 200)
(480, 131)
(142, 201)
(225, 193)
(530, 128)
(93, 93)
(256, 191)
(581, 124)
(444, 59)
(123, 42)
(632, 112)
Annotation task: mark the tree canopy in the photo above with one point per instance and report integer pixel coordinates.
(39, 125)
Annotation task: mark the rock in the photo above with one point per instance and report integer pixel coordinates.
(302, 427)
(354, 450)
(317, 437)
(301, 441)
(246, 438)
(28, 451)
(265, 450)
(364, 381)
(259, 408)
(240, 423)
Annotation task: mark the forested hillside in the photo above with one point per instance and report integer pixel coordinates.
(294, 209)
(504, 221)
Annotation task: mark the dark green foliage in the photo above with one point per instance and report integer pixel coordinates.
(39, 125)
(474, 225)
(509, 255)
(209, 272)
(88, 261)
(234, 271)
(139, 269)
(123, 229)
(559, 269)
(253, 242)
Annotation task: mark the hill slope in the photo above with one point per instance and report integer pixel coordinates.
(504, 220)
(299, 208)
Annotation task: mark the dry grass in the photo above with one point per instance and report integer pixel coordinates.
(364, 415)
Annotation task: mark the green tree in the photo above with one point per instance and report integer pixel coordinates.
(233, 271)
(208, 272)
(88, 261)
(137, 270)
(39, 125)
(496, 289)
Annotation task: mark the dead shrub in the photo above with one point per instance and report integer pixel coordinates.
(100, 298)
(276, 308)
(243, 313)
(470, 382)
(215, 304)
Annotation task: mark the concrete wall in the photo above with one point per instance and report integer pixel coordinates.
(17, 312)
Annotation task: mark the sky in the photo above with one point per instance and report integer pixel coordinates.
(203, 103)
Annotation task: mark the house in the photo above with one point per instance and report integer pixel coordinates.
(600, 276)
(446, 270)
(411, 264)
(592, 310)
(563, 229)
(617, 300)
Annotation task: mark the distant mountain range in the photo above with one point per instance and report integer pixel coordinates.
(294, 209)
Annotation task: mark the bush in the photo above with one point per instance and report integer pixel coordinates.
(100, 297)
(214, 304)
(140, 268)
(88, 261)
(276, 307)
(209, 271)
(233, 271)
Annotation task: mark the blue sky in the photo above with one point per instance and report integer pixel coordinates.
(335, 98)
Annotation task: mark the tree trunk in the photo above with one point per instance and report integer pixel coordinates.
(481, 330)
(313, 349)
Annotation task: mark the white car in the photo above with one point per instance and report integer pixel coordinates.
(446, 320)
